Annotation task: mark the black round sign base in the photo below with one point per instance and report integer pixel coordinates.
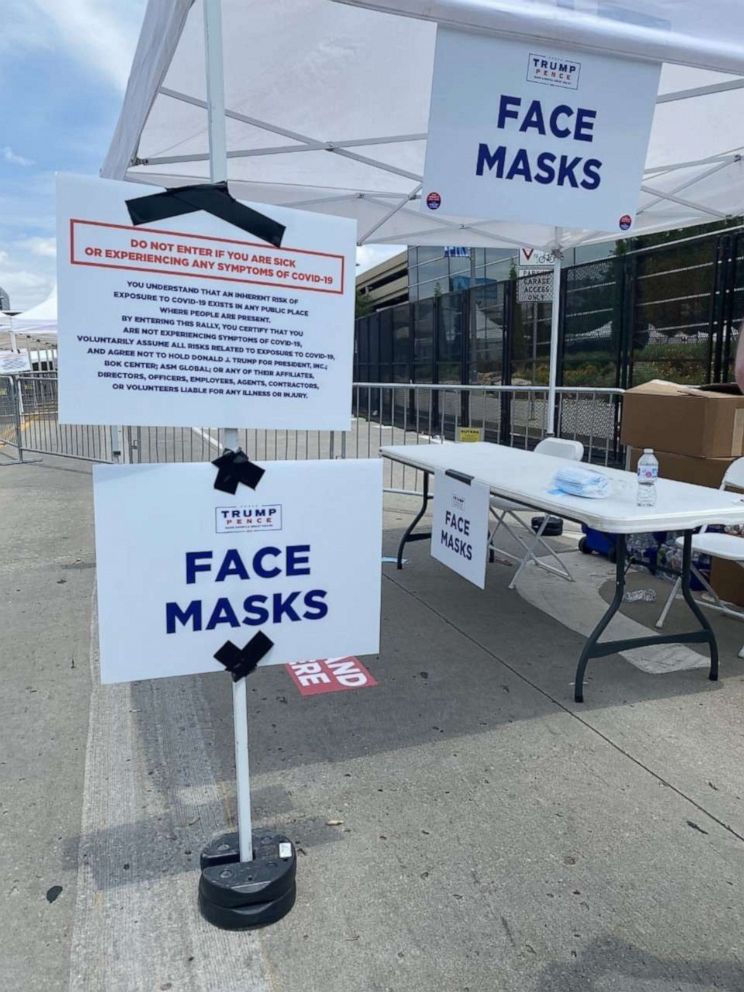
(242, 895)
(247, 917)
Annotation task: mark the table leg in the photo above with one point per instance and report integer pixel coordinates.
(409, 535)
(690, 600)
(612, 609)
(593, 649)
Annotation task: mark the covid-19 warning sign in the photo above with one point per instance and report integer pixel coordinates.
(187, 306)
(536, 134)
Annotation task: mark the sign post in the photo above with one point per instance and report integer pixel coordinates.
(187, 306)
(218, 173)
(213, 578)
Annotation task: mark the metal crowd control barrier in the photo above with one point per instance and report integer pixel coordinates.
(383, 413)
(34, 395)
(10, 420)
(415, 413)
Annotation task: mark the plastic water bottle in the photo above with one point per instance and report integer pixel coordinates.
(648, 472)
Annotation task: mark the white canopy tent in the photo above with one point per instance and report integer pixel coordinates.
(325, 107)
(41, 319)
(327, 103)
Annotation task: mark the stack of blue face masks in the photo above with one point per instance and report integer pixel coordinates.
(577, 481)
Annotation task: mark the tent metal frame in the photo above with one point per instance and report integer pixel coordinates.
(723, 55)
(341, 147)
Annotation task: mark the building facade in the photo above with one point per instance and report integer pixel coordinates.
(384, 285)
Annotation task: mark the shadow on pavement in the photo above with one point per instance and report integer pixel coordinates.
(610, 965)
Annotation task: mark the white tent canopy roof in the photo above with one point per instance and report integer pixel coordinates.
(41, 319)
(327, 106)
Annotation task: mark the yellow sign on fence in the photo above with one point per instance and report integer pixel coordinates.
(471, 434)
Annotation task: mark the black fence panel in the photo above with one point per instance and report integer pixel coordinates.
(732, 306)
(487, 320)
(592, 325)
(671, 312)
(672, 334)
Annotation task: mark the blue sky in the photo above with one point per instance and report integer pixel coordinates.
(63, 70)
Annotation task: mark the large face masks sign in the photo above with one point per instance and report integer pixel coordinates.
(172, 316)
(535, 134)
(184, 568)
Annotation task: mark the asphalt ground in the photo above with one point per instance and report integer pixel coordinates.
(463, 826)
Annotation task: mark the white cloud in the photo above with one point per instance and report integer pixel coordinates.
(27, 271)
(42, 247)
(23, 28)
(26, 288)
(370, 255)
(10, 156)
(99, 33)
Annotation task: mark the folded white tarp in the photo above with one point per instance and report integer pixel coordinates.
(327, 105)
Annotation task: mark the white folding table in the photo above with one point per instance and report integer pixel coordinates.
(527, 478)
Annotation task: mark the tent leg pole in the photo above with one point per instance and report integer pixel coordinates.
(215, 90)
(555, 313)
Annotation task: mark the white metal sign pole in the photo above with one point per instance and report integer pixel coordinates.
(218, 173)
(555, 313)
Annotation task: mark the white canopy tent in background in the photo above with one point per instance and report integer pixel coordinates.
(327, 107)
(41, 319)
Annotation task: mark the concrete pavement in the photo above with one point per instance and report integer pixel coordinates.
(46, 577)
(463, 826)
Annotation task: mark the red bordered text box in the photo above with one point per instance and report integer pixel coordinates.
(311, 271)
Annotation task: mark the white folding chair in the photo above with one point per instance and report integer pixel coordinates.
(727, 546)
(504, 510)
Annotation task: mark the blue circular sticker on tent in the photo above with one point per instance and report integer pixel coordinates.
(625, 222)
(433, 201)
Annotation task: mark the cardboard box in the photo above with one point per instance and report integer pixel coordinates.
(684, 468)
(702, 422)
(727, 578)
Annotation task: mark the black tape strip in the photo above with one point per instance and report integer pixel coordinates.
(214, 198)
(459, 476)
(234, 468)
(240, 662)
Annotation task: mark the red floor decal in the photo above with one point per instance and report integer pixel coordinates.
(329, 675)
